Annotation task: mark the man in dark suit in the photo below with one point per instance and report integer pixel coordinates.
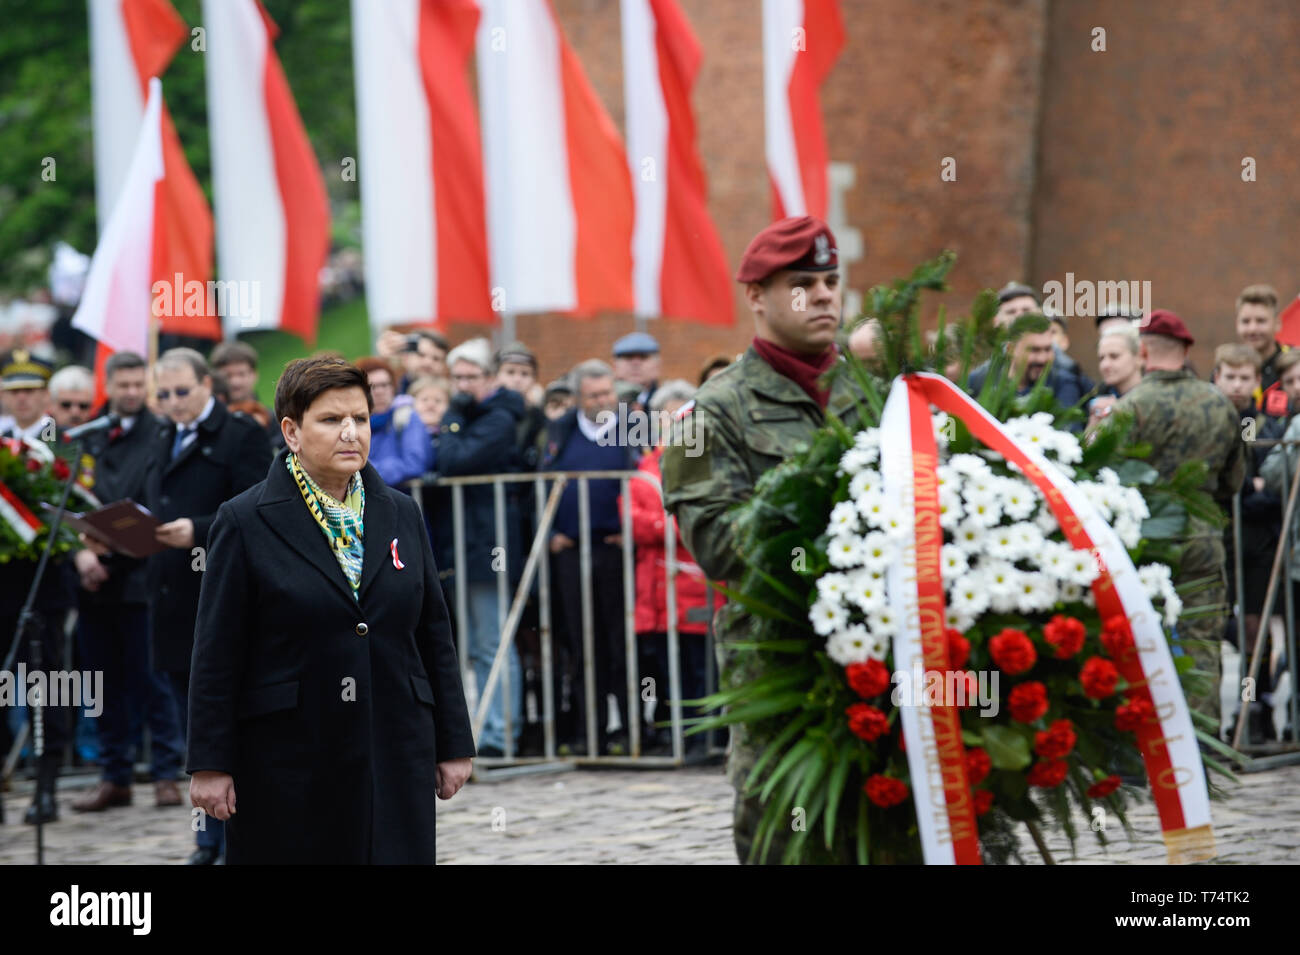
(203, 456)
(114, 607)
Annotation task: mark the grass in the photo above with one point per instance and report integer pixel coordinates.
(343, 328)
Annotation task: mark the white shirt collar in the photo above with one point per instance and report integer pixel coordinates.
(34, 432)
(592, 431)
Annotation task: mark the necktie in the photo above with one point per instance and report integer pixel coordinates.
(179, 441)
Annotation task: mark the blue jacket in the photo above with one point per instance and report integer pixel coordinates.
(399, 455)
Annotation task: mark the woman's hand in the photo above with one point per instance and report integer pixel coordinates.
(450, 776)
(214, 793)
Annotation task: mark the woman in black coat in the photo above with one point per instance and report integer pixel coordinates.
(326, 708)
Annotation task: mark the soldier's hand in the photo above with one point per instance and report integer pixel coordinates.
(560, 542)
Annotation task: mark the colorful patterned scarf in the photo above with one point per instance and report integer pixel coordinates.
(342, 522)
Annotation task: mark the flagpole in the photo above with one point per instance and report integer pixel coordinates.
(155, 323)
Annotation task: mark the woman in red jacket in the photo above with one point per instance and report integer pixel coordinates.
(648, 518)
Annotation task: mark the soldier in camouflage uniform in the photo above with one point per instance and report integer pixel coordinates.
(745, 421)
(1186, 419)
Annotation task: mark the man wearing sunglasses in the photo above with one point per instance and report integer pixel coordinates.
(202, 457)
(72, 392)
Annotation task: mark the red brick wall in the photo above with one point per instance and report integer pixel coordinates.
(1117, 165)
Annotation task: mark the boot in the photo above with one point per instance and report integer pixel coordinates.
(44, 807)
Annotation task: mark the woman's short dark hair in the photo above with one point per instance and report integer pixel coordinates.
(306, 379)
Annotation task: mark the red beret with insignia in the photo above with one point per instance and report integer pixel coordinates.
(805, 243)
(1163, 322)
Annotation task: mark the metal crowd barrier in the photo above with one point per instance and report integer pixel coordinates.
(537, 567)
(1264, 754)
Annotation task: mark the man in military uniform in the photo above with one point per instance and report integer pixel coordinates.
(1186, 419)
(745, 421)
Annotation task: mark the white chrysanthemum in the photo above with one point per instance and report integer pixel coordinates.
(1081, 567)
(946, 477)
(845, 550)
(852, 645)
(833, 586)
(1173, 605)
(882, 625)
(864, 482)
(1018, 498)
(896, 524)
(871, 506)
(844, 518)
(970, 595)
(1000, 542)
(1099, 496)
(951, 511)
(971, 465)
(1002, 582)
(1054, 559)
(969, 536)
(1128, 531)
(985, 510)
(867, 440)
(1071, 593)
(1045, 521)
(952, 562)
(1154, 577)
(827, 616)
(1108, 477)
(1133, 505)
(1029, 540)
(865, 590)
(877, 551)
(856, 460)
(1035, 592)
(942, 427)
(960, 620)
(1066, 447)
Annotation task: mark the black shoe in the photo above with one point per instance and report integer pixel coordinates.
(490, 752)
(44, 808)
(204, 855)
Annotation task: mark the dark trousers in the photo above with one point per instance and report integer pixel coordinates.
(608, 663)
(652, 648)
(214, 830)
(115, 640)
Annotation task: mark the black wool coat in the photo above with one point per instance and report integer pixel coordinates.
(331, 713)
(227, 456)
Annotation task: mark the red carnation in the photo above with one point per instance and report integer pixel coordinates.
(867, 722)
(61, 469)
(1027, 702)
(1099, 678)
(983, 799)
(1056, 741)
(958, 649)
(885, 791)
(1131, 716)
(868, 679)
(968, 685)
(1012, 651)
(1117, 638)
(902, 741)
(978, 765)
(33, 464)
(1066, 634)
(1103, 787)
(1048, 773)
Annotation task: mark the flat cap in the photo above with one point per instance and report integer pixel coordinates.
(19, 368)
(1163, 322)
(636, 343)
(799, 242)
(1108, 312)
(1016, 290)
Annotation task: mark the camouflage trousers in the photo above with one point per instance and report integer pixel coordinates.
(1204, 559)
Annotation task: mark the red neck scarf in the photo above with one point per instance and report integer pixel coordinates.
(800, 369)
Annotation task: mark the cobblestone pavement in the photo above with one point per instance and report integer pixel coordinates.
(661, 817)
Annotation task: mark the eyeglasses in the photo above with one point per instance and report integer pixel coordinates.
(69, 405)
(165, 393)
(477, 376)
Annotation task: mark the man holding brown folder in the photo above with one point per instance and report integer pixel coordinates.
(114, 607)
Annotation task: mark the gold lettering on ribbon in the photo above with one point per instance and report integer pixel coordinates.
(1163, 780)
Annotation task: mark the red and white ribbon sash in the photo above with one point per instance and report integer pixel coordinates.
(17, 515)
(1168, 745)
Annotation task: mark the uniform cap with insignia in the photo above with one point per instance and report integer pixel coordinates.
(636, 343)
(1164, 322)
(19, 368)
(805, 243)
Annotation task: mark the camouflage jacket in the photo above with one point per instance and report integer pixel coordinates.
(745, 421)
(1186, 419)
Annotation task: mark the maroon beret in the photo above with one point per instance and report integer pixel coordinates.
(799, 242)
(1163, 322)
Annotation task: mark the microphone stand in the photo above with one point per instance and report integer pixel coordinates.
(30, 625)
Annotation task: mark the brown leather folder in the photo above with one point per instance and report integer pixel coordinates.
(123, 526)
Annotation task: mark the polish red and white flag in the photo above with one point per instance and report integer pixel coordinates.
(559, 196)
(801, 41)
(272, 212)
(421, 162)
(679, 264)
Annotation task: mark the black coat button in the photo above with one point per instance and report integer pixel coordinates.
(362, 629)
